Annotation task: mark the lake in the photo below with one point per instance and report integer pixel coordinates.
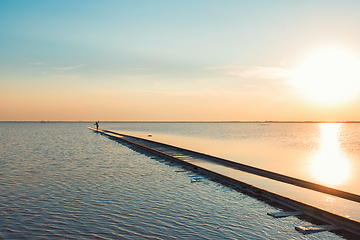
(62, 181)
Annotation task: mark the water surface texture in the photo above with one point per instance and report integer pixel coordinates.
(63, 181)
(325, 153)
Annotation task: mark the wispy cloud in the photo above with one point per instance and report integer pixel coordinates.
(68, 68)
(138, 77)
(254, 72)
(67, 76)
(37, 63)
(200, 93)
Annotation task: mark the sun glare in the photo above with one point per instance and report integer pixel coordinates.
(329, 165)
(328, 76)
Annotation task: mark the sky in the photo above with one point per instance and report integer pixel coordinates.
(179, 60)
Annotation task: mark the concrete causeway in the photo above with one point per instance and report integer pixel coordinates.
(218, 168)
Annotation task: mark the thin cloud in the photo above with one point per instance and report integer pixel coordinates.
(254, 72)
(37, 63)
(138, 77)
(69, 68)
(72, 77)
(201, 93)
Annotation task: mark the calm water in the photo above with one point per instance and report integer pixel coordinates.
(326, 153)
(62, 180)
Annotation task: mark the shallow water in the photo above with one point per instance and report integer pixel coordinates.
(61, 180)
(325, 153)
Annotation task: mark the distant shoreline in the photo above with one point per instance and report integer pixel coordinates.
(181, 122)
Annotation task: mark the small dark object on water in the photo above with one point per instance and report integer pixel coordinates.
(97, 125)
(149, 135)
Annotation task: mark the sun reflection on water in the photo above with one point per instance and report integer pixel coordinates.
(329, 165)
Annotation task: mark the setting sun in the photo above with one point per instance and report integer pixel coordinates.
(328, 76)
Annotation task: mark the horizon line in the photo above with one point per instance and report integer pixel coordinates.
(177, 121)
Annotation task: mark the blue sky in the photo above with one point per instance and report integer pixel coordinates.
(166, 60)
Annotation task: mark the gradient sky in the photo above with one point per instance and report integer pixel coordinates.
(168, 60)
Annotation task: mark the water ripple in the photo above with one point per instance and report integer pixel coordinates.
(63, 181)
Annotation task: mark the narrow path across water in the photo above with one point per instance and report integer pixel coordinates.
(307, 201)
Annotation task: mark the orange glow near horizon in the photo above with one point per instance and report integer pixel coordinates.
(329, 165)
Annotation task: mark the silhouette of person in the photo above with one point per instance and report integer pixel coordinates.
(97, 125)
